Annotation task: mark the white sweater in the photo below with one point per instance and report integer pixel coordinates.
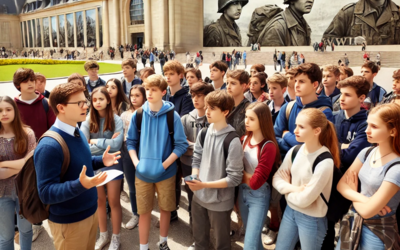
(308, 201)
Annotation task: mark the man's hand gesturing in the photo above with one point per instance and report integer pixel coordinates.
(89, 182)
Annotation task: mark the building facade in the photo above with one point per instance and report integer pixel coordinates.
(49, 24)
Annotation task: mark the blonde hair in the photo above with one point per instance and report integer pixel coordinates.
(332, 68)
(155, 81)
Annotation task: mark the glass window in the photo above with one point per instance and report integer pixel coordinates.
(30, 33)
(34, 33)
(61, 30)
(46, 32)
(22, 34)
(91, 27)
(39, 34)
(99, 10)
(70, 30)
(137, 12)
(79, 29)
(54, 31)
(26, 35)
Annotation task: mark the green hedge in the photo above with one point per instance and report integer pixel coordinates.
(37, 61)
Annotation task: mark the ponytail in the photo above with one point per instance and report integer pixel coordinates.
(328, 138)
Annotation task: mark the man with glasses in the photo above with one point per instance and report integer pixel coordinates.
(73, 199)
(225, 32)
(93, 81)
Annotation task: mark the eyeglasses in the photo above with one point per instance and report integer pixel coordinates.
(81, 104)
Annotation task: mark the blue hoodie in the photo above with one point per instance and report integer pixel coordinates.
(282, 124)
(155, 143)
(351, 131)
(334, 96)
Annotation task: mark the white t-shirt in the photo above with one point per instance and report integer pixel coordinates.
(28, 101)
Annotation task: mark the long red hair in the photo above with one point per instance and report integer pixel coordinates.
(19, 129)
(327, 137)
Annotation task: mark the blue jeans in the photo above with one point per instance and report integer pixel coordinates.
(295, 225)
(8, 207)
(282, 65)
(368, 240)
(253, 206)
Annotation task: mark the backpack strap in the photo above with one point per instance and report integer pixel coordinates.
(368, 152)
(289, 108)
(262, 148)
(170, 123)
(56, 136)
(321, 157)
(295, 151)
(45, 104)
(227, 141)
(203, 134)
(391, 165)
(323, 108)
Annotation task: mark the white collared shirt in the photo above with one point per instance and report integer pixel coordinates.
(64, 127)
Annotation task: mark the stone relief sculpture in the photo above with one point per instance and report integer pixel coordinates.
(286, 28)
(225, 32)
(375, 20)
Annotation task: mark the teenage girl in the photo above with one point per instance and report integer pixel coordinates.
(375, 204)
(17, 143)
(119, 101)
(305, 215)
(137, 97)
(261, 159)
(103, 128)
(256, 88)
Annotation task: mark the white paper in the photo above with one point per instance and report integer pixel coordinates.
(111, 175)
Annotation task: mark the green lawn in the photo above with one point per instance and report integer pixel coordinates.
(56, 70)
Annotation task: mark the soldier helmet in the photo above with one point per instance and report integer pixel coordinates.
(287, 1)
(222, 4)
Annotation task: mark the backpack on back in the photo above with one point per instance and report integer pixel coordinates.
(170, 122)
(30, 205)
(260, 18)
(337, 204)
(290, 105)
(227, 141)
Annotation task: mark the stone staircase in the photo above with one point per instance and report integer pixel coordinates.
(389, 59)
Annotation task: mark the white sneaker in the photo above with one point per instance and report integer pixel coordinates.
(101, 242)
(192, 247)
(132, 223)
(36, 229)
(270, 238)
(115, 243)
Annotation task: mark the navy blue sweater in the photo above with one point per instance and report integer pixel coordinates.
(70, 201)
(182, 100)
(351, 131)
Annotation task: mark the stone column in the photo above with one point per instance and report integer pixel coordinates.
(23, 35)
(58, 31)
(84, 28)
(33, 34)
(106, 26)
(65, 31)
(50, 32)
(172, 23)
(41, 31)
(116, 22)
(147, 24)
(122, 19)
(75, 31)
(27, 34)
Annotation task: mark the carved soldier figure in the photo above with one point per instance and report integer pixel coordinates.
(225, 32)
(288, 28)
(375, 20)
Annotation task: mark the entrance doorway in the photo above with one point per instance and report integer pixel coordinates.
(137, 38)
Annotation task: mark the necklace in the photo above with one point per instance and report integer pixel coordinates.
(374, 161)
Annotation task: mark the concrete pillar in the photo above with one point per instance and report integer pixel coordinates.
(97, 28)
(117, 26)
(65, 31)
(147, 24)
(122, 19)
(41, 31)
(75, 31)
(58, 31)
(172, 23)
(27, 34)
(106, 26)
(23, 34)
(84, 29)
(50, 32)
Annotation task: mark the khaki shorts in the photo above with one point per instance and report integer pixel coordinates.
(275, 198)
(145, 193)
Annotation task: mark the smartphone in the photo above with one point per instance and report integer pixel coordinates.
(191, 178)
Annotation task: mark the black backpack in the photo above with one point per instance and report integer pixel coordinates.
(337, 204)
(227, 141)
(170, 122)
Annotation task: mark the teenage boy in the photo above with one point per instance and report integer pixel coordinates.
(345, 72)
(154, 153)
(277, 85)
(290, 94)
(192, 124)
(376, 93)
(218, 70)
(178, 95)
(394, 96)
(73, 218)
(219, 174)
(130, 78)
(307, 77)
(40, 85)
(93, 81)
(32, 105)
(237, 81)
(330, 77)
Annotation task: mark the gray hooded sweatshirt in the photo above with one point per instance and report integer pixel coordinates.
(192, 125)
(211, 162)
